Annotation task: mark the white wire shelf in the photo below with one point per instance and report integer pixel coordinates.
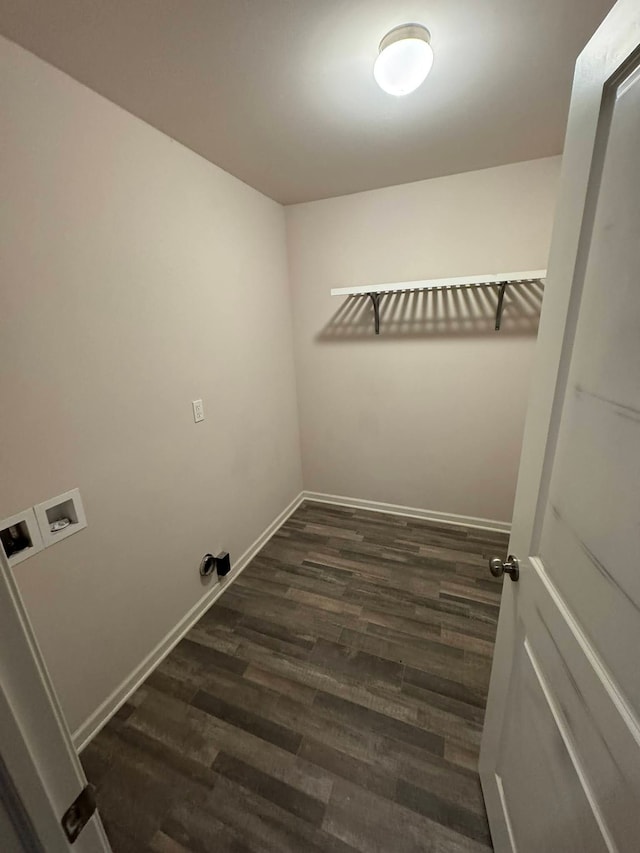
(375, 291)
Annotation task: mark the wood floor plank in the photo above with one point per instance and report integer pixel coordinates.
(302, 805)
(266, 827)
(251, 722)
(331, 700)
(347, 767)
(458, 818)
(259, 753)
(357, 716)
(373, 824)
(445, 686)
(356, 663)
(280, 684)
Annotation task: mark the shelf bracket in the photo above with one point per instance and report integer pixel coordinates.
(503, 287)
(375, 300)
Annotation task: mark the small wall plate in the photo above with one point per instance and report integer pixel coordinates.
(51, 513)
(27, 526)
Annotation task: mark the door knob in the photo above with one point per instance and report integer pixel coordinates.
(511, 567)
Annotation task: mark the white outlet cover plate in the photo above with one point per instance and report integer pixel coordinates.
(198, 411)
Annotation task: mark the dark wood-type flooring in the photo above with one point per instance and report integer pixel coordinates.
(331, 700)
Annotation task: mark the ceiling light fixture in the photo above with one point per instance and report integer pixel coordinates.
(404, 60)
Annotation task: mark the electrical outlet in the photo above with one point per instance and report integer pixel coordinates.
(198, 411)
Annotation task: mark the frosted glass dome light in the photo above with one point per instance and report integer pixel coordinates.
(404, 60)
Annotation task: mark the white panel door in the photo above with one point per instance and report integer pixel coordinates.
(40, 773)
(560, 760)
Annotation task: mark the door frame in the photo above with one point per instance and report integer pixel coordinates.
(43, 774)
(613, 47)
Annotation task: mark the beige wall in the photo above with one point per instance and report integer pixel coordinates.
(431, 413)
(135, 277)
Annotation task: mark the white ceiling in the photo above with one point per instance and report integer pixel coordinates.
(281, 93)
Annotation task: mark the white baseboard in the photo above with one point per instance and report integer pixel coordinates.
(411, 512)
(101, 716)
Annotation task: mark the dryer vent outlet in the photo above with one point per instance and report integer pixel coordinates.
(207, 565)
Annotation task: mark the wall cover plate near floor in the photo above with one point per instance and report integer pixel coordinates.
(60, 517)
(20, 536)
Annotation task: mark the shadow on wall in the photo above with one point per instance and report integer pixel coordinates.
(461, 311)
